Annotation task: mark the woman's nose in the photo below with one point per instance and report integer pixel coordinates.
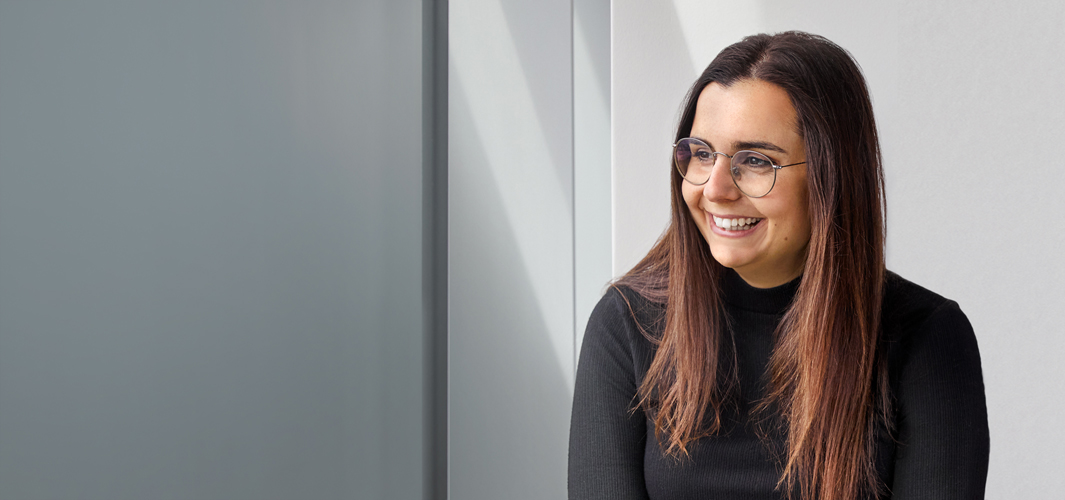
(720, 186)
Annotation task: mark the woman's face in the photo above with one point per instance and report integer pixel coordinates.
(757, 116)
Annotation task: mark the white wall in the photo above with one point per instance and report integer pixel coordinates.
(967, 96)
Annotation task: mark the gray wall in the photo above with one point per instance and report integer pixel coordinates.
(967, 95)
(592, 218)
(511, 247)
(211, 250)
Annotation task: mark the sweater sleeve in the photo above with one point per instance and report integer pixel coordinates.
(943, 441)
(607, 438)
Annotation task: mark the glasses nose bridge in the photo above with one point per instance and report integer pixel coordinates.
(709, 171)
(714, 164)
(726, 155)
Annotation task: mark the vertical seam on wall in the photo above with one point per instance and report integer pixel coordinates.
(441, 59)
(435, 215)
(610, 115)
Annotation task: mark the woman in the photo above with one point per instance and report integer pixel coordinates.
(761, 349)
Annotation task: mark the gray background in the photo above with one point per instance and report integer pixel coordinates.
(529, 233)
(510, 223)
(211, 263)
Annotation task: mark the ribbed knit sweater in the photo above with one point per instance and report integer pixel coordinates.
(936, 449)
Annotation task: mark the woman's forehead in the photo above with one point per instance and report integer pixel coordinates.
(748, 111)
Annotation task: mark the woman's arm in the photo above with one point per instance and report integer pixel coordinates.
(606, 438)
(943, 446)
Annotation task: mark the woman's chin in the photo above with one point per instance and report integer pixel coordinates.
(729, 258)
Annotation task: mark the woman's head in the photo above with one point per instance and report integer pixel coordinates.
(793, 97)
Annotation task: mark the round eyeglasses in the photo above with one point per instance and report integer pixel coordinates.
(752, 172)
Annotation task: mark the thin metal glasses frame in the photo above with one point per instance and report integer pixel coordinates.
(732, 169)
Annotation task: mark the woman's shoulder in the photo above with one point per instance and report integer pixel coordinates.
(625, 315)
(617, 343)
(923, 327)
(622, 304)
(907, 304)
(940, 424)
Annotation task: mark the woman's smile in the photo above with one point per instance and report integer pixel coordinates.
(733, 226)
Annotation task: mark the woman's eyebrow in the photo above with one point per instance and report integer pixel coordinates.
(704, 140)
(743, 145)
(768, 146)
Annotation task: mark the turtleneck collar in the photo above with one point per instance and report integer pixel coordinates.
(774, 300)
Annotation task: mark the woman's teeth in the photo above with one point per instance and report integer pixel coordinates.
(741, 224)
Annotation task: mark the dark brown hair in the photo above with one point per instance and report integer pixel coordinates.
(826, 381)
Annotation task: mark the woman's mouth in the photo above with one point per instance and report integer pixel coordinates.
(735, 224)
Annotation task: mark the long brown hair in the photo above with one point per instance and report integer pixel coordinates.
(827, 383)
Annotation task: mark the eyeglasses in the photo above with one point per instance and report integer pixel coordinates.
(752, 172)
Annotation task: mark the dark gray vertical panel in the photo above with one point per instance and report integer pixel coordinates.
(211, 239)
(435, 256)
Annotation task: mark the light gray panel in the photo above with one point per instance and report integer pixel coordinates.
(510, 248)
(210, 250)
(591, 159)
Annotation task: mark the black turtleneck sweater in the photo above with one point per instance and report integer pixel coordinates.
(937, 449)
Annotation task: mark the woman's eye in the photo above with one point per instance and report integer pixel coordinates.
(704, 156)
(756, 162)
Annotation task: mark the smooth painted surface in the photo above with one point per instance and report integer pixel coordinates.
(967, 96)
(592, 249)
(210, 250)
(510, 233)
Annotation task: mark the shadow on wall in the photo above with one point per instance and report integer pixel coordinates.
(538, 38)
(509, 396)
(644, 110)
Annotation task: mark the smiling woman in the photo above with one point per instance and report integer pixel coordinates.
(761, 349)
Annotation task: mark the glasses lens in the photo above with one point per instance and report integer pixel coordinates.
(753, 173)
(694, 160)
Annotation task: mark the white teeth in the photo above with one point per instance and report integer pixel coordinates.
(740, 224)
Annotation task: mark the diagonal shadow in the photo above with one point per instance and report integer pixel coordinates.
(509, 398)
